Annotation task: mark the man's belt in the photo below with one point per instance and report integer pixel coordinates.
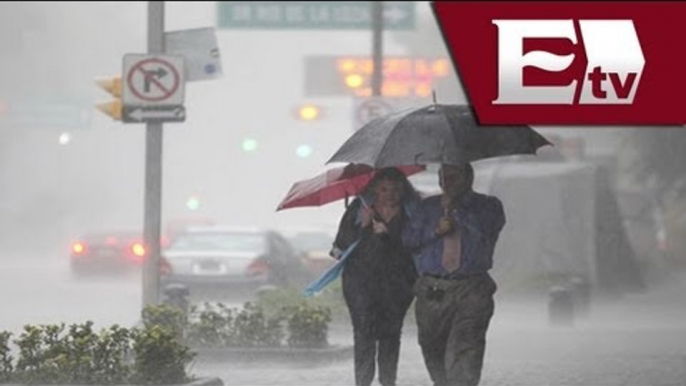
(455, 276)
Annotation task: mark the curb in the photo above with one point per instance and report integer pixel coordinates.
(206, 382)
(213, 381)
(285, 354)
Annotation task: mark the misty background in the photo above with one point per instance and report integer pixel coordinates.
(53, 51)
(67, 169)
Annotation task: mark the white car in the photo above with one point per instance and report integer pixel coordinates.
(218, 259)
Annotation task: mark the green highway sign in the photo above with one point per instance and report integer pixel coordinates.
(312, 15)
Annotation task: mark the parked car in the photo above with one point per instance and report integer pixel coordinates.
(313, 245)
(219, 259)
(107, 252)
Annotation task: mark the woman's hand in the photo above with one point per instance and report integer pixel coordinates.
(367, 216)
(379, 227)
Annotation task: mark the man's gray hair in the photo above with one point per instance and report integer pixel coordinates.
(467, 168)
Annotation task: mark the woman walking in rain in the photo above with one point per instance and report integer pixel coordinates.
(379, 274)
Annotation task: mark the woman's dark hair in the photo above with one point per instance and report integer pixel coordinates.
(392, 174)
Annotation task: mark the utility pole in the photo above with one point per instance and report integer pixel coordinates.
(377, 47)
(153, 172)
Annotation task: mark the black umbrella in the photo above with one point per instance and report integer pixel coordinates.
(434, 134)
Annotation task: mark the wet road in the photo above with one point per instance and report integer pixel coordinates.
(42, 291)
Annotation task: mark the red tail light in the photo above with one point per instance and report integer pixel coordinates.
(78, 248)
(258, 267)
(165, 267)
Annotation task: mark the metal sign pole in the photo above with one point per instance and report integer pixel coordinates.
(377, 47)
(153, 171)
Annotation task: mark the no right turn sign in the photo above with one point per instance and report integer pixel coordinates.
(153, 80)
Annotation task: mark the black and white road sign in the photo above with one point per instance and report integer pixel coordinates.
(369, 109)
(140, 114)
(153, 80)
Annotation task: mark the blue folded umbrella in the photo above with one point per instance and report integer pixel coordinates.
(330, 275)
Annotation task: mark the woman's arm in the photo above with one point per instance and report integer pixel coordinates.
(349, 229)
(419, 232)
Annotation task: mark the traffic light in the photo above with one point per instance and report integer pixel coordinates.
(113, 85)
(193, 203)
(64, 139)
(354, 81)
(309, 113)
(304, 151)
(249, 145)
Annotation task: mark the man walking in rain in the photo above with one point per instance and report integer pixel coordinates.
(453, 236)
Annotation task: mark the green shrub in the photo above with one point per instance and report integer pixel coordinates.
(160, 358)
(50, 355)
(252, 328)
(211, 327)
(274, 301)
(308, 325)
(165, 316)
(6, 367)
(110, 355)
(31, 360)
(74, 354)
(219, 326)
(157, 353)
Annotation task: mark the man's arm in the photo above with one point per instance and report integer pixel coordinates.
(486, 220)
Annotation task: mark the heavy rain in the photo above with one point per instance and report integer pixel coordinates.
(590, 266)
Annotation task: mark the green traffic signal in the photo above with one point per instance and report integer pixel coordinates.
(304, 151)
(249, 145)
(193, 203)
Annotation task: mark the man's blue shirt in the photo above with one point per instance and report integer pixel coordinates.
(480, 218)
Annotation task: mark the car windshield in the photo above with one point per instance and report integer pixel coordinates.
(220, 241)
(111, 238)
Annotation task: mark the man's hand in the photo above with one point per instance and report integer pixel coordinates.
(444, 226)
(448, 203)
